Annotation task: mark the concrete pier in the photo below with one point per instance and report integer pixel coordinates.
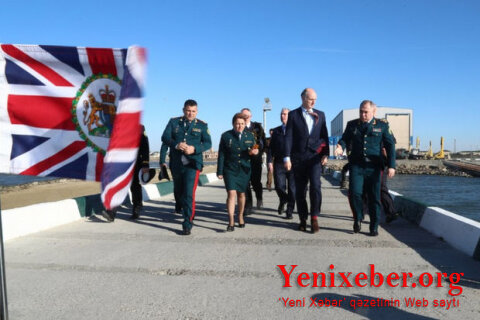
(90, 269)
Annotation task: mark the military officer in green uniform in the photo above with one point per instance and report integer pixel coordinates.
(234, 166)
(365, 137)
(187, 137)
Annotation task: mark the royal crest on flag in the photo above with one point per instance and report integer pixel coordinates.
(72, 112)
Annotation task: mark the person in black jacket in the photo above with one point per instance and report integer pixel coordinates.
(281, 177)
(142, 164)
(256, 161)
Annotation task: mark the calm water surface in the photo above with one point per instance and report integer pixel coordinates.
(456, 194)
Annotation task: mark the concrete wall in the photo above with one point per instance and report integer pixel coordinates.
(18, 222)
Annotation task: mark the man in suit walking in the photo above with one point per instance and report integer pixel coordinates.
(187, 137)
(306, 151)
(281, 177)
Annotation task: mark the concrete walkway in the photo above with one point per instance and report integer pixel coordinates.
(91, 269)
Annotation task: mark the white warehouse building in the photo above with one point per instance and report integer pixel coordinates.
(399, 119)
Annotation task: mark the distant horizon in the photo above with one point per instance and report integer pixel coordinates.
(421, 55)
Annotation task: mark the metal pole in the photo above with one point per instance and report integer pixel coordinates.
(265, 121)
(3, 280)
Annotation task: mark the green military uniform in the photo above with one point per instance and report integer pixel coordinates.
(186, 168)
(234, 162)
(365, 142)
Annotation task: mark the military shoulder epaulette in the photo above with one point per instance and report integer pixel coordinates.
(383, 120)
(201, 121)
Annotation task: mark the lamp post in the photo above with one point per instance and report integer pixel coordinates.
(266, 107)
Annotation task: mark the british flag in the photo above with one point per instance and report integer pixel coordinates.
(72, 112)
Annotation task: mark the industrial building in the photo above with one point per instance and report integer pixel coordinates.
(399, 119)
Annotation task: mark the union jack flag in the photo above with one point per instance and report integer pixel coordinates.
(72, 112)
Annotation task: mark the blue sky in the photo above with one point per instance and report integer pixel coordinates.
(418, 54)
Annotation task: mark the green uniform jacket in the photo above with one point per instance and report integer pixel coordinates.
(197, 135)
(233, 152)
(163, 153)
(366, 143)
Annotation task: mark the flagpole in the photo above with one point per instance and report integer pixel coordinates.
(3, 280)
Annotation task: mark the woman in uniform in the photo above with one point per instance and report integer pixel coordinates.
(236, 147)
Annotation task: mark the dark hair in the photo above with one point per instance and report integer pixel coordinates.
(190, 103)
(239, 115)
(245, 109)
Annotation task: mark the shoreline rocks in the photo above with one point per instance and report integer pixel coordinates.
(413, 167)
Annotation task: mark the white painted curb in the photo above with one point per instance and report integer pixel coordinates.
(18, 222)
(21, 221)
(462, 233)
(150, 192)
(211, 177)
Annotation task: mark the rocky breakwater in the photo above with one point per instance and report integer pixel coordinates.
(418, 167)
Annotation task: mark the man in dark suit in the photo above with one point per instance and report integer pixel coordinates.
(187, 137)
(306, 151)
(275, 163)
(256, 163)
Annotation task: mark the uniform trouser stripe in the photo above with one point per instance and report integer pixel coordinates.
(195, 184)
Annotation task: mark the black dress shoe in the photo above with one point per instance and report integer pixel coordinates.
(135, 212)
(134, 216)
(289, 215)
(109, 215)
(248, 211)
(303, 225)
(230, 228)
(241, 225)
(177, 210)
(357, 227)
(281, 207)
(373, 233)
(259, 204)
(186, 231)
